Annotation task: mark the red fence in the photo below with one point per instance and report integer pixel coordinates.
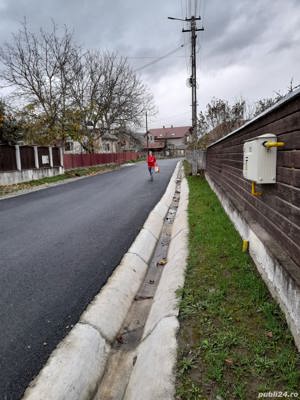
(87, 160)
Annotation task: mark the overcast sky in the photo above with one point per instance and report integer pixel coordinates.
(249, 49)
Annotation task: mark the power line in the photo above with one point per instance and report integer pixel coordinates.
(181, 5)
(186, 43)
(196, 2)
(159, 58)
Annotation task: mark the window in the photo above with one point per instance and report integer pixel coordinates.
(69, 146)
(106, 147)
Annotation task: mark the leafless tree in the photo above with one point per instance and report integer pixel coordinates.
(68, 92)
(108, 95)
(219, 119)
(39, 67)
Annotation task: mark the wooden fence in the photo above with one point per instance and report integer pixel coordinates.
(278, 209)
(19, 158)
(86, 160)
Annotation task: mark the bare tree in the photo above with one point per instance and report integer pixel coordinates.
(219, 119)
(39, 67)
(108, 95)
(69, 93)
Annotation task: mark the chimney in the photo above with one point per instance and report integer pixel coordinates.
(163, 127)
(171, 126)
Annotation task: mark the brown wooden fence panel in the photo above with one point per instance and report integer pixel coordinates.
(27, 157)
(278, 209)
(8, 158)
(86, 160)
(44, 158)
(56, 157)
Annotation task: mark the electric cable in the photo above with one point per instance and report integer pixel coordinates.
(190, 8)
(159, 59)
(196, 3)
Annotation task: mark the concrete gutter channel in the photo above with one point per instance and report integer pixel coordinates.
(124, 345)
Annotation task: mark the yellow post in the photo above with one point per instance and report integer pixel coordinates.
(245, 246)
(253, 190)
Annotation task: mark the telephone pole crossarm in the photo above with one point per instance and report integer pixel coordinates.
(189, 30)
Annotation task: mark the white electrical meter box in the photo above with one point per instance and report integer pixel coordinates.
(259, 161)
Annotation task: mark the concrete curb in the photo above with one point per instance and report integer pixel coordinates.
(152, 377)
(76, 366)
(73, 369)
(117, 294)
(153, 373)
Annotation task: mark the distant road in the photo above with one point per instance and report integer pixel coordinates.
(58, 247)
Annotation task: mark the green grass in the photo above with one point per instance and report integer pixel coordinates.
(6, 189)
(234, 341)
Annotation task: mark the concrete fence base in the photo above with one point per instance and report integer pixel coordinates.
(13, 177)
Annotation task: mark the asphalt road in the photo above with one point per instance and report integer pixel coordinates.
(58, 247)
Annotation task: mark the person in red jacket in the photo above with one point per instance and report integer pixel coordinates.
(151, 161)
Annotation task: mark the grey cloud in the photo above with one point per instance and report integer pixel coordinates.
(236, 31)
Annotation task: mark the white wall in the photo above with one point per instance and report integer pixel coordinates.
(26, 175)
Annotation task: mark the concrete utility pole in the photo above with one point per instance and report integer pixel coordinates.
(193, 82)
(193, 79)
(147, 133)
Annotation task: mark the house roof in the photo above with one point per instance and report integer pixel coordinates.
(154, 145)
(176, 132)
(109, 136)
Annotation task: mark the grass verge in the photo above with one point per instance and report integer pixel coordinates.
(234, 342)
(6, 189)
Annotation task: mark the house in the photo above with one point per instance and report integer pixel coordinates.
(108, 143)
(169, 141)
(129, 141)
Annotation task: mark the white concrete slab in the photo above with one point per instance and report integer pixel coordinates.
(161, 209)
(154, 224)
(178, 243)
(144, 245)
(74, 368)
(109, 308)
(153, 374)
(166, 301)
(180, 223)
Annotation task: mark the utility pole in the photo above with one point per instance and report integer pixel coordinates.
(193, 82)
(193, 79)
(147, 133)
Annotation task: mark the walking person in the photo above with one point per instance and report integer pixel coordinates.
(151, 161)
